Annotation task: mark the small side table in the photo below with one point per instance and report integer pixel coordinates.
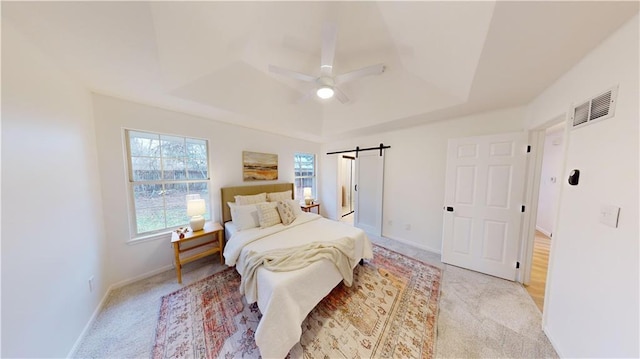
(307, 207)
(189, 254)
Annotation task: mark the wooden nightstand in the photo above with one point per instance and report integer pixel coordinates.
(307, 207)
(188, 254)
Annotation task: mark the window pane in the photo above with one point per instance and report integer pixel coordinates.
(144, 144)
(197, 169)
(197, 149)
(176, 195)
(173, 146)
(176, 203)
(307, 182)
(148, 196)
(165, 160)
(304, 164)
(149, 204)
(145, 168)
(304, 172)
(174, 169)
(177, 217)
(150, 219)
(299, 188)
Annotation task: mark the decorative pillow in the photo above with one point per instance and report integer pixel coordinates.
(295, 206)
(252, 199)
(268, 214)
(245, 216)
(278, 196)
(286, 212)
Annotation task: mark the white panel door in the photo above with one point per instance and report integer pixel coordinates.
(483, 203)
(369, 173)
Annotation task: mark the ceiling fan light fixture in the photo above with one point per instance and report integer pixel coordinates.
(325, 92)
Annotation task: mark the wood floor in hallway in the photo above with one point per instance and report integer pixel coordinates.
(536, 286)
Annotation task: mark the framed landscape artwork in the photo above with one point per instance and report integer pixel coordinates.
(259, 166)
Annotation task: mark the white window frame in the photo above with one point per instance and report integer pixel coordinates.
(298, 191)
(131, 183)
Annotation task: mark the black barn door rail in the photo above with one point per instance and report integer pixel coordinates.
(358, 149)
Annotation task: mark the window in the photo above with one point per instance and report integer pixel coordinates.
(305, 173)
(163, 169)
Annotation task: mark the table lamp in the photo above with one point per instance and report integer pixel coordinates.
(195, 209)
(307, 196)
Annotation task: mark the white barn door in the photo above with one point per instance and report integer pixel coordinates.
(483, 203)
(369, 173)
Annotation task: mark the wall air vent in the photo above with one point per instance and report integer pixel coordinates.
(581, 114)
(595, 109)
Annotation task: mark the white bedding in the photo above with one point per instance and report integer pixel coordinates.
(285, 298)
(230, 230)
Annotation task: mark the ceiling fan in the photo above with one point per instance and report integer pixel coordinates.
(327, 83)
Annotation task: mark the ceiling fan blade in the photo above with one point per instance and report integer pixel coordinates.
(365, 71)
(329, 34)
(306, 97)
(340, 95)
(292, 74)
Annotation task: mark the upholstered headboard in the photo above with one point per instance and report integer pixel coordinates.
(227, 194)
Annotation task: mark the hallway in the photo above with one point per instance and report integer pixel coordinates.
(536, 286)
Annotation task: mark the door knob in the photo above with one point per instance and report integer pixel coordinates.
(448, 209)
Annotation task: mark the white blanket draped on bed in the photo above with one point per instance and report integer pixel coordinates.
(285, 298)
(340, 252)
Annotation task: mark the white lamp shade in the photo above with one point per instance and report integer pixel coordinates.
(196, 207)
(307, 192)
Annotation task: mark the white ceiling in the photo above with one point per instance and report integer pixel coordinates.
(442, 59)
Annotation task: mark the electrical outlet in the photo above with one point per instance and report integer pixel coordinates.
(407, 227)
(91, 284)
(390, 222)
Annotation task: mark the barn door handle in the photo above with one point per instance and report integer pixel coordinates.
(356, 189)
(448, 209)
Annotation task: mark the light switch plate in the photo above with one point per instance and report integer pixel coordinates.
(609, 215)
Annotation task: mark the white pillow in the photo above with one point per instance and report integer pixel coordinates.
(279, 196)
(252, 199)
(244, 216)
(295, 206)
(268, 214)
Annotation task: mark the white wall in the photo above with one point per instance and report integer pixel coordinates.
(52, 229)
(550, 181)
(414, 173)
(226, 143)
(591, 309)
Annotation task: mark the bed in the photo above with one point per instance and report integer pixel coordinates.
(286, 297)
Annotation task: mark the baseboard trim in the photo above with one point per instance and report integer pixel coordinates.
(74, 348)
(141, 276)
(544, 231)
(111, 288)
(414, 244)
(545, 329)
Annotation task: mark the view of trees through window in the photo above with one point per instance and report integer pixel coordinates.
(305, 173)
(164, 169)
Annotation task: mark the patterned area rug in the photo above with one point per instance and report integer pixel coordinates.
(390, 311)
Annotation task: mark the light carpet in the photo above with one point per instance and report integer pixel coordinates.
(389, 311)
(479, 316)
